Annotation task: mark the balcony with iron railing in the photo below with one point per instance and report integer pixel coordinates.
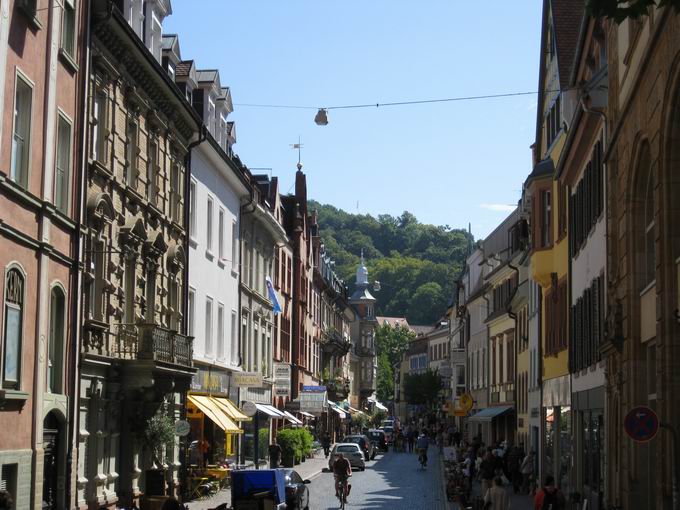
(333, 343)
(151, 342)
(364, 351)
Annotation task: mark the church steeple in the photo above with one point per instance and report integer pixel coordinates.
(361, 292)
(362, 272)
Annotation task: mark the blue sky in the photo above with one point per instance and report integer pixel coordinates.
(447, 163)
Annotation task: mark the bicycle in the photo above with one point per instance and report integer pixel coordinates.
(342, 496)
(422, 458)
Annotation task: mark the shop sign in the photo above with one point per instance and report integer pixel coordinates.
(282, 376)
(313, 402)
(466, 401)
(314, 388)
(281, 391)
(249, 408)
(248, 379)
(210, 381)
(182, 428)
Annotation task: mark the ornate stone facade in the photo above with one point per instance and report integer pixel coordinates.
(137, 361)
(642, 330)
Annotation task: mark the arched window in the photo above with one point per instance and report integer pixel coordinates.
(55, 353)
(14, 328)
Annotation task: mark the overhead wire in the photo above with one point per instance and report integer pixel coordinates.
(398, 103)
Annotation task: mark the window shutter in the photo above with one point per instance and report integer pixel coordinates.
(597, 317)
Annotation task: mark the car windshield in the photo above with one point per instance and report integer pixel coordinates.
(346, 449)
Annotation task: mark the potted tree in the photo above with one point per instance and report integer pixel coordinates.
(158, 433)
(287, 441)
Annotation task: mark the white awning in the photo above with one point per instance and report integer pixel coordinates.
(380, 406)
(303, 413)
(292, 418)
(341, 413)
(270, 411)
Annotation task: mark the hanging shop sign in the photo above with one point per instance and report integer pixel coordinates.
(282, 377)
(249, 408)
(313, 399)
(248, 379)
(466, 401)
(182, 428)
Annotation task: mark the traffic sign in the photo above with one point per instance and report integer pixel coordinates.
(641, 424)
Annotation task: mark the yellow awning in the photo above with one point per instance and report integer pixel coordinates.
(230, 409)
(215, 413)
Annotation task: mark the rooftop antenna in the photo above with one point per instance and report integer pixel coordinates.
(299, 147)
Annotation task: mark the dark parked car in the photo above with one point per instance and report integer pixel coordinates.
(378, 438)
(297, 493)
(364, 443)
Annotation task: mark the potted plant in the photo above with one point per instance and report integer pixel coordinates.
(287, 440)
(158, 433)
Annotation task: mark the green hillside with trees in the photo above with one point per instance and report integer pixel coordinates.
(414, 262)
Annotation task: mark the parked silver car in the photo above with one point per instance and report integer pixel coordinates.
(351, 451)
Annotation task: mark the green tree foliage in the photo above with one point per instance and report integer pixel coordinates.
(392, 342)
(422, 388)
(619, 10)
(385, 379)
(402, 253)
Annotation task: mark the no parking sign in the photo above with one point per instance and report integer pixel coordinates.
(641, 424)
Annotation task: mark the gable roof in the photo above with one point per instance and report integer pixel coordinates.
(393, 322)
(566, 22)
(184, 68)
(567, 16)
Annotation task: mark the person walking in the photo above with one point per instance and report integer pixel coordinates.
(487, 470)
(274, 455)
(496, 497)
(326, 443)
(527, 471)
(514, 462)
(413, 433)
(549, 497)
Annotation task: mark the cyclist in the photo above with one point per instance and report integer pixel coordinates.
(342, 470)
(421, 446)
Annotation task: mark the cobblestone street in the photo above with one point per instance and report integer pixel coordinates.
(393, 481)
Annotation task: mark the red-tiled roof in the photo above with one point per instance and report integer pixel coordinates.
(184, 68)
(567, 16)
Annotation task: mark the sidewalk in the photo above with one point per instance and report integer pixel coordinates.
(308, 469)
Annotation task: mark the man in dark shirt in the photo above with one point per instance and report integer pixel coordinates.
(342, 470)
(274, 455)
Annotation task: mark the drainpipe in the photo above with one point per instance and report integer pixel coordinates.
(185, 283)
(76, 280)
(513, 316)
(487, 383)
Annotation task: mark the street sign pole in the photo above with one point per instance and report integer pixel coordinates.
(674, 463)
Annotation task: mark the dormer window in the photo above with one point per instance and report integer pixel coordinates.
(211, 115)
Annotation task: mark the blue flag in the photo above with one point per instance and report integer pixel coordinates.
(272, 296)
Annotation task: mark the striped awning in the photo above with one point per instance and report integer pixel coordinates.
(215, 413)
(230, 409)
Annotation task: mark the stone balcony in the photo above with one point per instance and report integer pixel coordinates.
(139, 342)
(364, 351)
(338, 388)
(333, 343)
